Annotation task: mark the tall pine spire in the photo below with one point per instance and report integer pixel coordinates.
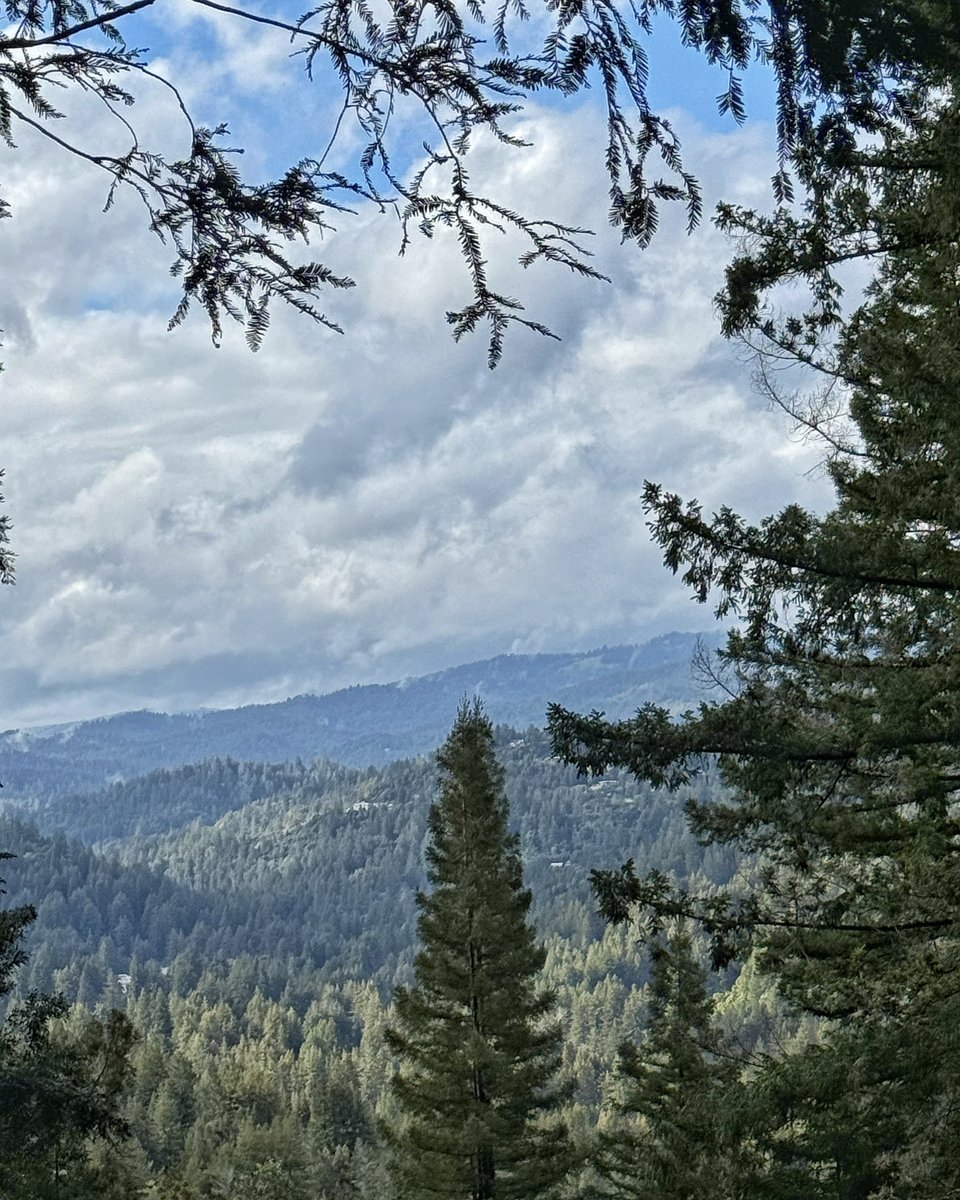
(478, 1052)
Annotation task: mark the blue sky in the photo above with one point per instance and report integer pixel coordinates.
(210, 527)
(280, 116)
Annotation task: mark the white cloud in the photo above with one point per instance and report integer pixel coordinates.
(206, 527)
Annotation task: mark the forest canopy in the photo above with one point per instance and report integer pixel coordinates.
(831, 757)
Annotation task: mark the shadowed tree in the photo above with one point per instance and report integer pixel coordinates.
(839, 741)
(675, 1082)
(61, 1085)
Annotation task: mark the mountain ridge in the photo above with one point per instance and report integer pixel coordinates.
(362, 725)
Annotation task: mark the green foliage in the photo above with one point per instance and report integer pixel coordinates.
(337, 851)
(478, 1056)
(13, 923)
(61, 1085)
(318, 879)
(839, 742)
(60, 1089)
(672, 1141)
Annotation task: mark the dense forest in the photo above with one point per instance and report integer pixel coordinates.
(228, 979)
(253, 922)
(319, 864)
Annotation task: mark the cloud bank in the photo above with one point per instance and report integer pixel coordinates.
(201, 527)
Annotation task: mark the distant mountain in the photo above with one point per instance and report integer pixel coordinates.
(368, 725)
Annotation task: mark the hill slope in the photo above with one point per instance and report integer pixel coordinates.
(316, 864)
(360, 726)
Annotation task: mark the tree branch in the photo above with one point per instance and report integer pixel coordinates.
(64, 35)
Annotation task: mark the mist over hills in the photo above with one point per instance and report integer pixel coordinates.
(365, 725)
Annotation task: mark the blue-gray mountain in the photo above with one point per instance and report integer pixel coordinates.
(360, 726)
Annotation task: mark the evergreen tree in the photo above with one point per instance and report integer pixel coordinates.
(671, 1147)
(61, 1084)
(478, 1052)
(13, 924)
(841, 740)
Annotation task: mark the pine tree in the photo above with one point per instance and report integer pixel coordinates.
(675, 1081)
(478, 1052)
(840, 743)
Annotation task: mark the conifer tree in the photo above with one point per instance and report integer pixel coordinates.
(479, 1054)
(840, 742)
(674, 1085)
(61, 1083)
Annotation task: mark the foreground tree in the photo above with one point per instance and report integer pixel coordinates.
(840, 743)
(61, 1085)
(478, 1052)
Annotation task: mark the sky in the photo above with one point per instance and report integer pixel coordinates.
(203, 527)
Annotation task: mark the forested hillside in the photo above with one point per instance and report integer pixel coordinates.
(253, 921)
(361, 726)
(316, 864)
(271, 954)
